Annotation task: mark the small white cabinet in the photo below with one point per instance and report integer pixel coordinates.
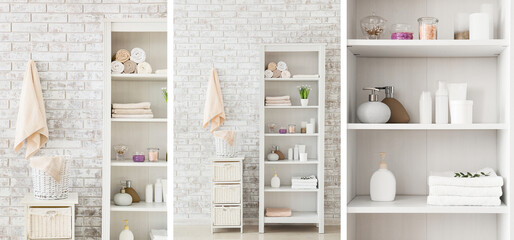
(227, 193)
(50, 219)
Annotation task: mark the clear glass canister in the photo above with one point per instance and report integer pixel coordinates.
(372, 26)
(153, 154)
(401, 31)
(428, 28)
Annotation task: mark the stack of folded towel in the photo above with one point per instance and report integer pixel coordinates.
(481, 188)
(278, 101)
(132, 110)
(309, 182)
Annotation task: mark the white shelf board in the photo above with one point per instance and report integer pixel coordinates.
(129, 163)
(292, 162)
(141, 206)
(147, 120)
(416, 126)
(415, 204)
(287, 189)
(291, 107)
(296, 217)
(139, 77)
(426, 48)
(291, 79)
(290, 135)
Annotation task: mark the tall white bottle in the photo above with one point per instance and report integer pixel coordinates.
(126, 234)
(425, 108)
(158, 191)
(441, 104)
(382, 186)
(149, 193)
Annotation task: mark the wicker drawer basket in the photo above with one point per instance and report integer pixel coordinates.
(227, 172)
(227, 216)
(227, 193)
(50, 223)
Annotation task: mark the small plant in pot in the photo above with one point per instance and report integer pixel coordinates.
(304, 94)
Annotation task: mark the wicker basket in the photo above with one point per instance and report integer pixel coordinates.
(46, 188)
(223, 149)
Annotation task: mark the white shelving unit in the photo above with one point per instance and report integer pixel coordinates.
(415, 150)
(138, 134)
(307, 205)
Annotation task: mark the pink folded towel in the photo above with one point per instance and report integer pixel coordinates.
(278, 212)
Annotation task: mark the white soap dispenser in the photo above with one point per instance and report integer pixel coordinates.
(382, 187)
(373, 111)
(126, 234)
(275, 181)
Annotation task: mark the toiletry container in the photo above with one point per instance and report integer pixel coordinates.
(122, 198)
(461, 26)
(398, 112)
(272, 156)
(279, 153)
(461, 111)
(428, 28)
(126, 234)
(290, 154)
(401, 31)
(303, 157)
(296, 152)
(425, 108)
(275, 181)
(479, 26)
(158, 191)
(382, 186)
(131, 191)
(373, 111)
(372, 26)
(149, 193)
(441, 104)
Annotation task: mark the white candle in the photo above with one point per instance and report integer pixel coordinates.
(479, 26)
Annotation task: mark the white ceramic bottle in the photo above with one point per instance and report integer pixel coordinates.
(290, 154)
(425, 108)
(126, 234)
(149, 193)
(158, 191)
(373, 111)
(275, 181)
(122, 198)
(441, 104)
(382, 186)
(272, 156)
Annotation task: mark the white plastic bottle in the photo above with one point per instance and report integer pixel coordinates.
(158, 191)
(382, 186)
(149, 193)
(126, 234)
(275, 181)
(441, 104)
(425, 108)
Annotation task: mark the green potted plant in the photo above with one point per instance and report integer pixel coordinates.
(304, 94)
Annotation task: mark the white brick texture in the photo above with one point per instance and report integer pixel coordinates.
(65, 38)
(226, 34)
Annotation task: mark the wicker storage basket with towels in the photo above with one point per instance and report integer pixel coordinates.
(46, 188)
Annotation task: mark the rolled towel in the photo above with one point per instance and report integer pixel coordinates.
(286, 74)
(131, 105)
(132, 116)
(463, 201)
(268, 74)
(449, 179)
(278, 98)
(130, 66)
(281, 66)
(122, 55)
(132, 111)
(277, 73)
(465, 191)
(144, 68)
(272, 66)
(117, 67)
(137, 55)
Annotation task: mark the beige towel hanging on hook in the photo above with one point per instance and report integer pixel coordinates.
(31, 124)
(214, 111)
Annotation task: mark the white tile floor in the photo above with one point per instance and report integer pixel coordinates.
(278, 232)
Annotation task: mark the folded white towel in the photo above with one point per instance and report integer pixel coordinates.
(303, 187)
(117, 67)
(131, 105)
(144, 68)
(132, 111)
(465, 191)
(278, 101)
(306, 76)
(278, 104)
(281, 66)
(463, 201)
(132, 116)
(448, 179)
(278, 98)
(137, 55)
(268, 74)
(312, 179)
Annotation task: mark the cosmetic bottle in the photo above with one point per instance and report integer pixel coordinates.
(275, 181)
(126, 234)
(122, 198)
(441, 104)
(279, 153)
(373, 111)
(132, 192)
(382, 186)
(398, 112)
(149, 193)
(425, 108)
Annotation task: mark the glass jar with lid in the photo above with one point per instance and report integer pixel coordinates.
(372, 26)
(428, 28)
(153, 154)
(401, 31)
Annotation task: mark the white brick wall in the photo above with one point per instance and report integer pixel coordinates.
(65, 38)
(226, 34)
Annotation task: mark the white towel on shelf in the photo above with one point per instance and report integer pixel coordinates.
(286, 74)
(132, 116)
(131, 105)
(268, 74)
(132, 111)
(117, 67)
(465, 191)
(144, 68)
(278, 98)
(306, 76)
(312, 179)
(278, 104)
(449, 179)
(463, 201)
(281, 66)
(137, 55)
(303, 187)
